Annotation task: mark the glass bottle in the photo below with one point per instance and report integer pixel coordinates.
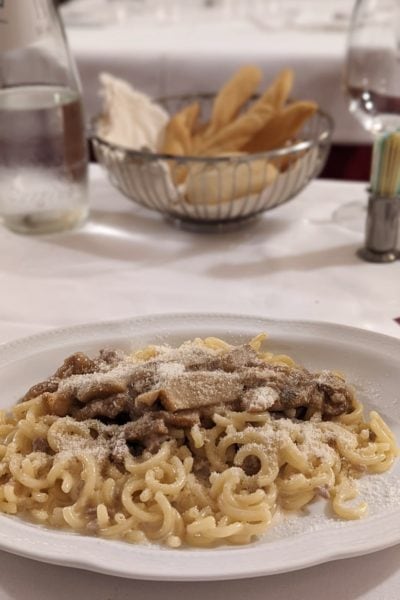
(43, 152)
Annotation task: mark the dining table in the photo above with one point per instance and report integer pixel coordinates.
(197, 55)
(295, 262)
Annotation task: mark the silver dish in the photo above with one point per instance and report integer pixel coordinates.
(152, 179)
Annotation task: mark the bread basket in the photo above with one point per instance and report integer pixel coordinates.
(216, 192)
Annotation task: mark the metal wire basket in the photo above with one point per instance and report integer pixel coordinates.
(207, 193)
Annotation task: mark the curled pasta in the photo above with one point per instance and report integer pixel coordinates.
(207, 485)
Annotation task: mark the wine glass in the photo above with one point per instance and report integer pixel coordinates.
(372, 80)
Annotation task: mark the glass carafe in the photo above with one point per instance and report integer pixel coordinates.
(43, 152)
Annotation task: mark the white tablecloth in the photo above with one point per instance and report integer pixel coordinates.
(294, 263)
(176, 58)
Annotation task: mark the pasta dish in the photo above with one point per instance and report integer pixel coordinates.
(198, 445)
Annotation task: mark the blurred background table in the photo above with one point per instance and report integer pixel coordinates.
(191, 56)
(294, 262)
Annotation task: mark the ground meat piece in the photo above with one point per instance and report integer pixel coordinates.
(293, 396)
(201, 468)
(107, 407)
(229, 361)
(50, 385)
(181, 420)
(96, 390)
(297, 388)
(77, 364)
(334, 406)
(148, 425)
(243, 356)
(119, 450)
(40, 445)
(338, 397)
(253, 377)
(143, 380)
(149, 430)
(200, 359)
(251, 465)
(111, 357)
(58, 403)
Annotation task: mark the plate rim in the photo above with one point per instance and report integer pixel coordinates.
(42, 550)
(13, 345)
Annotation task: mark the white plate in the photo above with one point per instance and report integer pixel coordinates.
(370, 361)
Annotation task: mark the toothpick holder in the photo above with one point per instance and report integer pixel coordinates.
(382, 228)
